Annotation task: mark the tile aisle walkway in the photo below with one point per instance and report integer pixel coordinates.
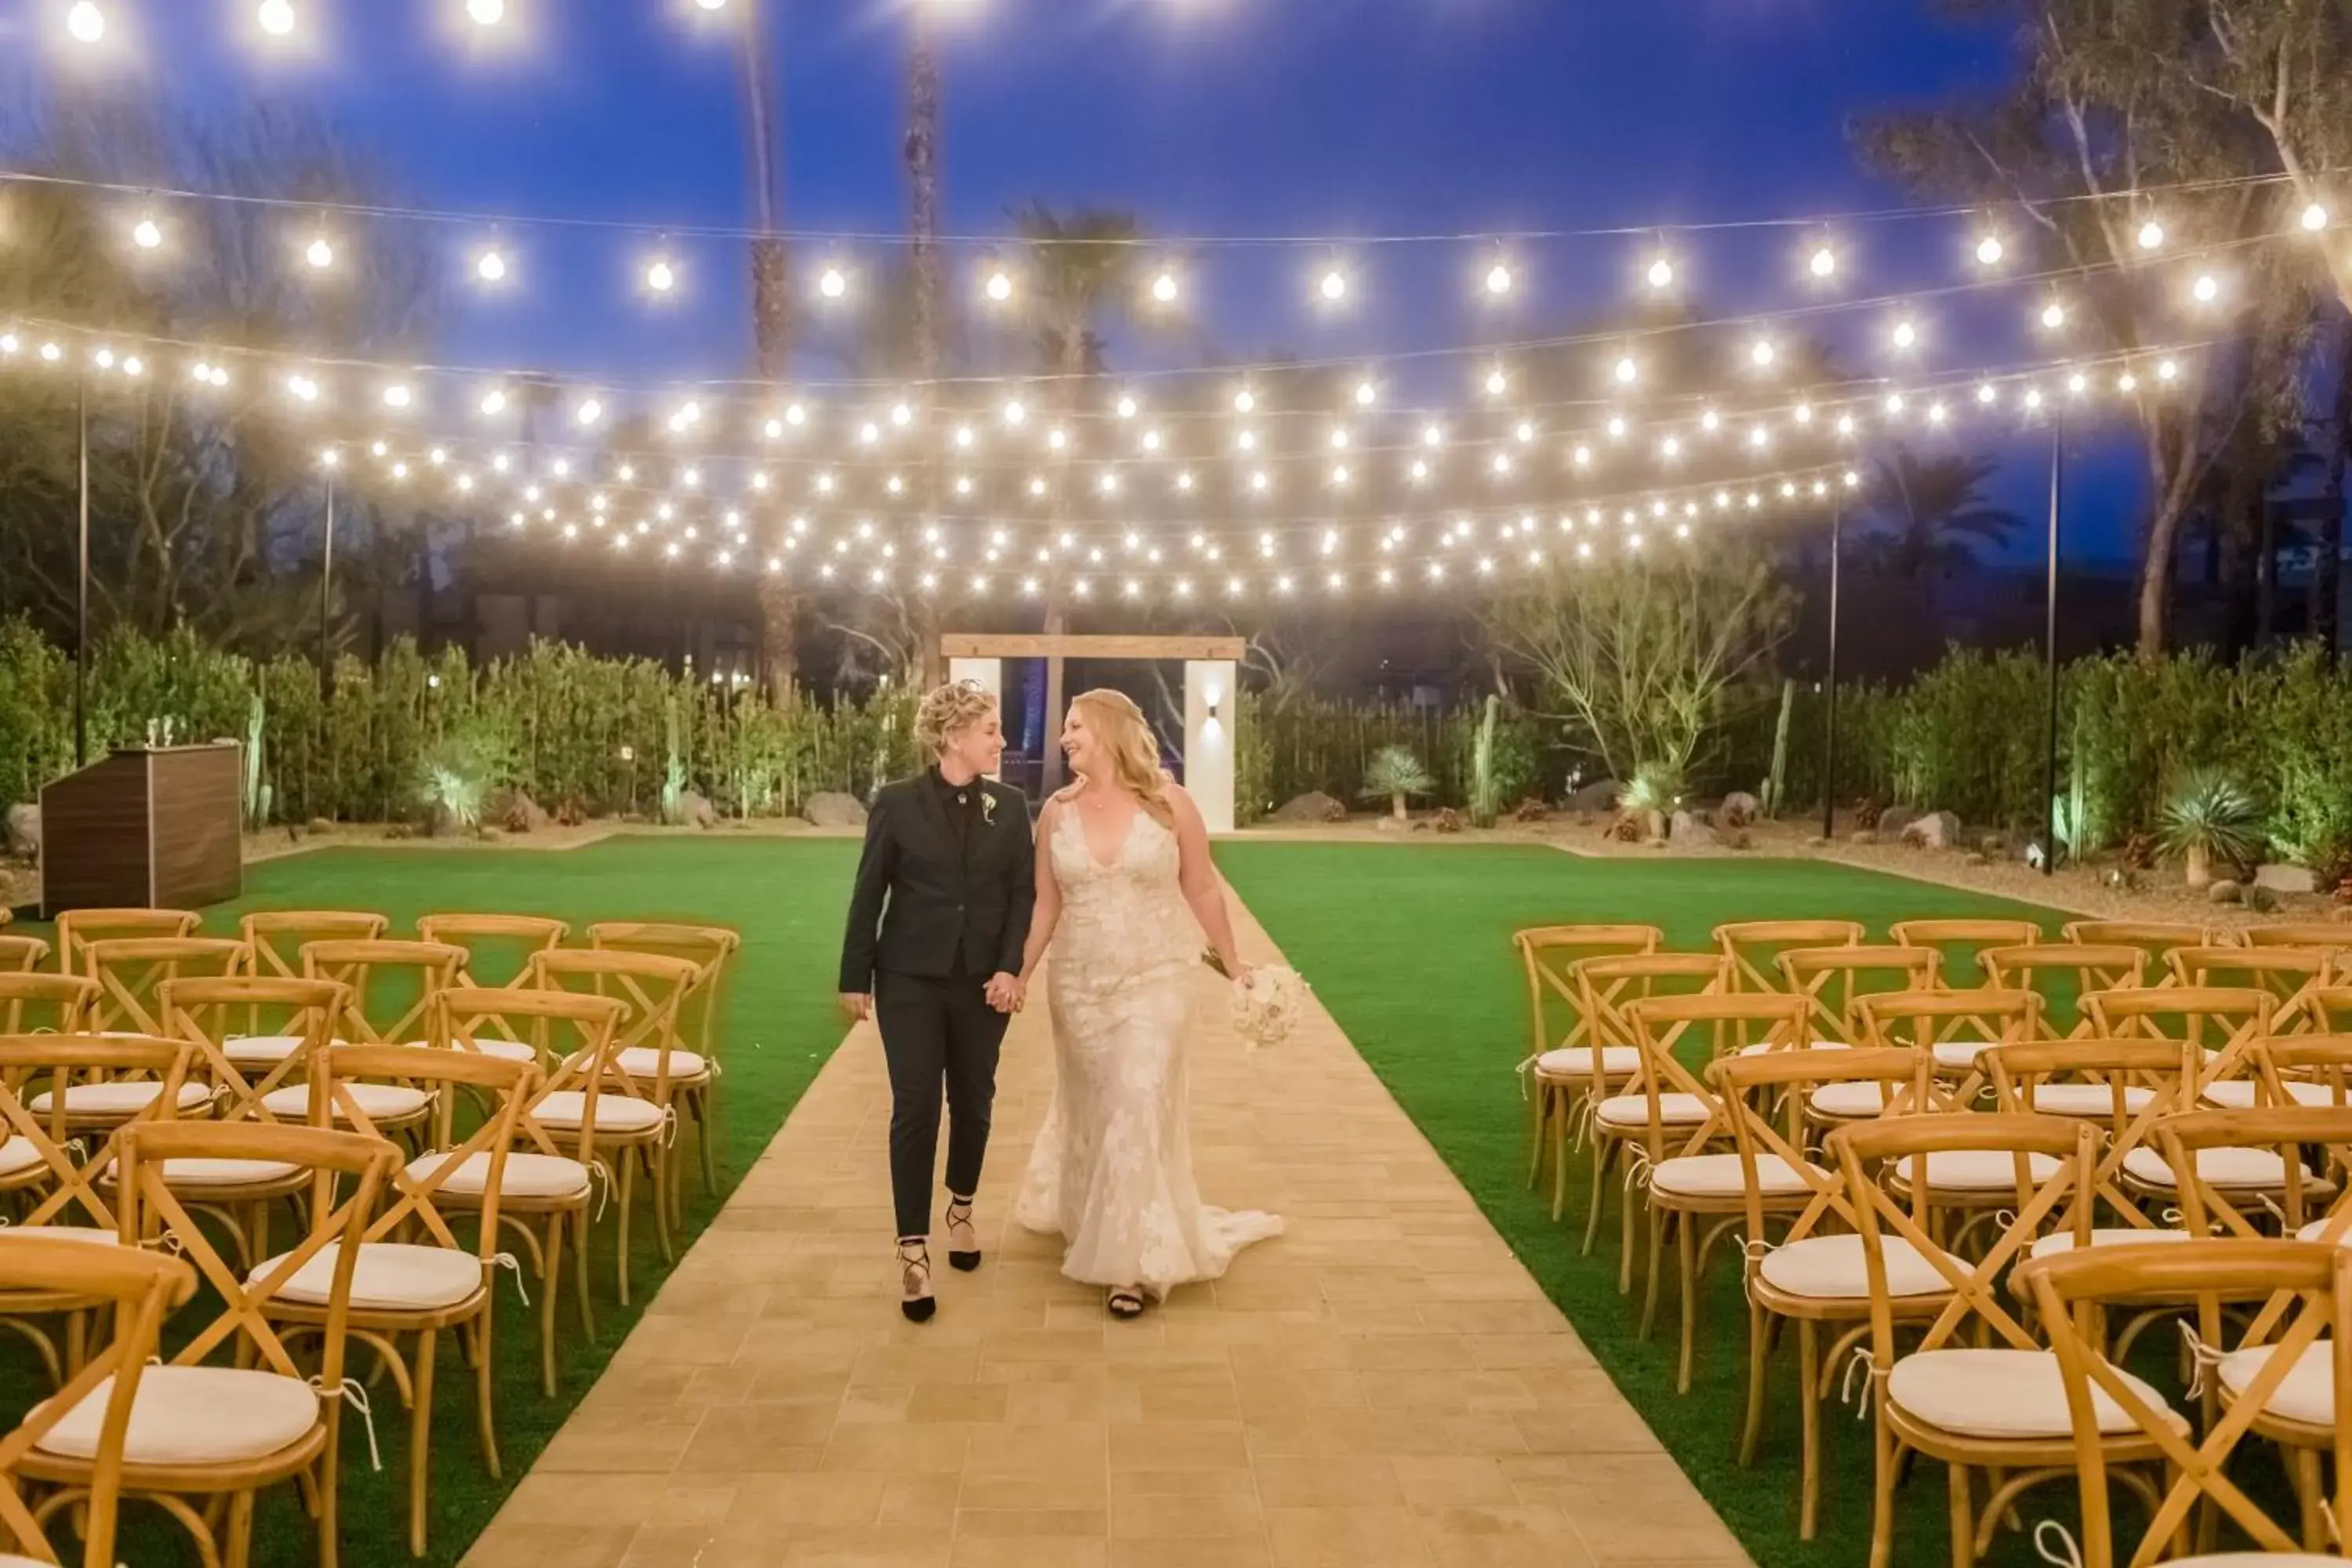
(1382, 1385)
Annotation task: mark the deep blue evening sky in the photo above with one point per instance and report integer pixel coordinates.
(1346, 117)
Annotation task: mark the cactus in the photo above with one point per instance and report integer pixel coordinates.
(1779, 782)
(673, 795)
(1484, 807)
(256, 796)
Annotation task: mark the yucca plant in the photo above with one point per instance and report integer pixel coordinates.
(2208, 816)
(1656, 790)
(1392, 775)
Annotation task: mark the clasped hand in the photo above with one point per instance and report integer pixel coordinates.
(1006, 993)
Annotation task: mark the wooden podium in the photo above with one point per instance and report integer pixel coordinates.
(149, 827)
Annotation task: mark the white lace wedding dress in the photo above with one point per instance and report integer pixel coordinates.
(1112, 1171)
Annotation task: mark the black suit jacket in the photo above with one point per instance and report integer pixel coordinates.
(922, 907)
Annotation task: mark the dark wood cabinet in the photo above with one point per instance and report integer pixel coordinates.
(146, 828)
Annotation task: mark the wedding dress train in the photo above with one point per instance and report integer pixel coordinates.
(1112, 1170)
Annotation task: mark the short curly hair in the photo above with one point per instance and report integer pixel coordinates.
(950, 711)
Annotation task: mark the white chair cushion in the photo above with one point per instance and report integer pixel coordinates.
(525, 1175)
(1757, 1050)
(2317, 1228)
(2307, 1392)
(2106, 1236)
(1960, 1056)
(1832, 1268)
(122, 1097)
(261, 1050)
(1633, 1111)
(389, 1277)
(88, 1233)
(1617, 1061)
(1718, 1176)
(2087, 1099)
(1863, 1099)
(192, 1172)
(1979, 1170)
(193, 1416)
(18, 1154)
(614, 1112)
(382, 1101)
(644, 1062)
(506, 1051)
(2255, 1169)
(2241, 1094)
(2001, 1394)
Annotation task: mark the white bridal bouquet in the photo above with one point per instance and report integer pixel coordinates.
(1268, 1003)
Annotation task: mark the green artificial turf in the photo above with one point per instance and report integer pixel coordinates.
(1410, 948)
(777, 1027)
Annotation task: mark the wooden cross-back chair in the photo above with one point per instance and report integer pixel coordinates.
(143, 1288)
(489, 939)
(286, 1026)
(93, 1096)
(77, 929)
(1750, 948)
(2222, 1022)
(2304, 1069)
(416, 1290)
(2065, 975)
(2154, 938)
(538, 1184)
(649, 1062)
(2127, 1088)
(221, 1434)
(1836, 979)
(131, 973)
(2292, 975)
(1606, 986)
(36, 1004)
(2331, 1009)
(389, 985)
(1962, 942)
(278, 936)
(22, 955)
(1813, 1275)
(711, 950)
(2268, 1387)
(2328, 936)
(2209, 1144)
(1557, 1069)
(1955, 1028)
(51, 1187)
(1974, 1389)
(1680, 1165)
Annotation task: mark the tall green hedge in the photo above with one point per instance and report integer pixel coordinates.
(599, 735)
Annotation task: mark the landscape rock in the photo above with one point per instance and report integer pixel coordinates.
(1867, 835)
(516, 812)
(1935, 830)
(2225, 892)
(1311, 807)
(319, 824)
(1993, 844)
(1817, 842)
(1601, 794)
(1654, 844)
(1737, 838)
(1977, 858)
(2284, 879)
(1448, 820)
(489, 835)
(1895, 818)
(831, 809)
(1689, 832)
(400, 830)
(25, 830)
(1739, 809)
(695, 810)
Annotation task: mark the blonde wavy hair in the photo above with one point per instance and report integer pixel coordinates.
(1124, 735)
(948, 711)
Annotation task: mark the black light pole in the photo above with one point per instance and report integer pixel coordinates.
(2050, 647)
(81, 580)
(1829, 759)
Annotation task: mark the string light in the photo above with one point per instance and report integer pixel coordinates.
(487, 13)
(1164, 288)
(1000, 286)
(661, 276)
(1498, 280)
(2151, 236)
(1334, 287)
(146, 233)
(276, 16)
(1661, 273)
(85, 23)
(490, 266)
(1989, 250)
(319, 253)
(2315, 219)
(2206, 289)
(1823, 263)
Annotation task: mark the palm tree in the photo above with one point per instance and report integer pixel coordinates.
(1931, 510)
(772, 322)
(1080, 265)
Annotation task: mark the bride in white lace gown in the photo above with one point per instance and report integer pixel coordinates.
(1121, 857)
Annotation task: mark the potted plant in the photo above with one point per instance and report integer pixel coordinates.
(1392, 775)
(2207, 817)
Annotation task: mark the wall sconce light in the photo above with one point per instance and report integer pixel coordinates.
(1214, 698)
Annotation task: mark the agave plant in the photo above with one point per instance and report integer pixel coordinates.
(1392, 775)
(2210, 815)
(1656, 789)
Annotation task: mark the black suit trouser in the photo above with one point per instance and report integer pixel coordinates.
(940, 1037)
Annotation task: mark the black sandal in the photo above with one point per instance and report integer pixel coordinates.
(963, 1239)
(915, 1297)
(1127, 1301)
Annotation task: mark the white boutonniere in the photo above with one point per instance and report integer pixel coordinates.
(987, 809)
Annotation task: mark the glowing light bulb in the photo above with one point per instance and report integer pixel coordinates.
(491, 266)
(146, 233)
(1163, 289)
(1761, 352)
(1989, 250)
(1661, 273)
(2053, 316)
(1626, 371)
(589, 412)
(1496, 383)
(2151, 236)
(487, 13)
(1014, 413)
(1906, 334)
(660, 276)
(2168, 371)
(1367, 394)
(1000, 286)
(85, 22)
(276, 16)
(1823, 263)
(1334, 287)
(1245, 401)
(2315, 219)
(1129, 407)
(494, 401)
(2207, 288)
(397, 396)
(1499, 279)
(320, 254)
